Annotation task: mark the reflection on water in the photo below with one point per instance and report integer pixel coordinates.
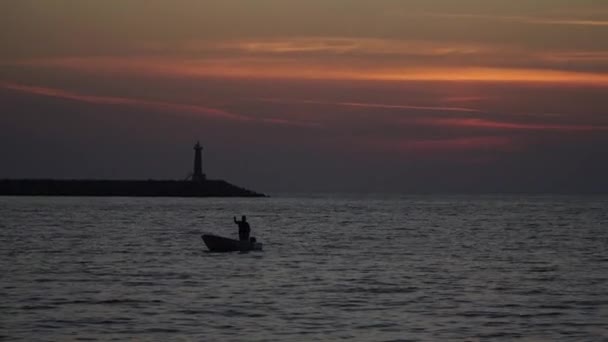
(360, 268)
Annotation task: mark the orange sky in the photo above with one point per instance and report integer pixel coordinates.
(348, 77)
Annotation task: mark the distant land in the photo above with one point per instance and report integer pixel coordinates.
(197, 185)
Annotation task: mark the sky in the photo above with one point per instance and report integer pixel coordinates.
(383, 96)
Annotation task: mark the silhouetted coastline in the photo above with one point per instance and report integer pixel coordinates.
(135, 188)
(196, 185)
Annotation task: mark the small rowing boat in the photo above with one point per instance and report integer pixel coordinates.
(222, 244)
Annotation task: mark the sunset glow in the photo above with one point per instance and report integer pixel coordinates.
(270, 68)
(368, 84)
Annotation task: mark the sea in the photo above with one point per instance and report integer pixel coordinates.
(334, 267)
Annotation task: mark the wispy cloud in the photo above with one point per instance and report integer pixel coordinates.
(153, 105)
(370, 105)
(574, 56)
(269, 68)
(480, 143)
(465, 143)
(520, 19)
(111, 100)
(464, 99)
(344, 45)
(368, 53)
(491, 124)
(287, 122)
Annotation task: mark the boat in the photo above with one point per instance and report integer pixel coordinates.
(222, 244)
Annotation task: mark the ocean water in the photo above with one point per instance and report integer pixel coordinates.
(369, 268)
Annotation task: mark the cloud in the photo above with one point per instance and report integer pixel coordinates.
(362, 53)
(370, 105)
(340, 46)
(575, 56)
(110, 100)
(153, 105)
(286, 122)
(285, 68)
(483, 123)
(460, 99)
(466, 143)
(463, 144)
(520, 19)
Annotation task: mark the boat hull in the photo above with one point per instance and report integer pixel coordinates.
(221, 244)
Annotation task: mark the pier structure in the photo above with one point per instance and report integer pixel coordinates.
(195, 186)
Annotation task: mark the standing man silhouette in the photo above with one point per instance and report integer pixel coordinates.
(244, 229)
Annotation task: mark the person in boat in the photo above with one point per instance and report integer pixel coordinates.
(244, 229)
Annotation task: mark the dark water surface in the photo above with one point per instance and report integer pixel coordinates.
(419, 268)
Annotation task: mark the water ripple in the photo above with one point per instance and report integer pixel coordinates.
(410, 268)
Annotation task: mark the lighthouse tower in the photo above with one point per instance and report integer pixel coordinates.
(198, 175)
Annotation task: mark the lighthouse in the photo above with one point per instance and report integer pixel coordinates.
(198, 175)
